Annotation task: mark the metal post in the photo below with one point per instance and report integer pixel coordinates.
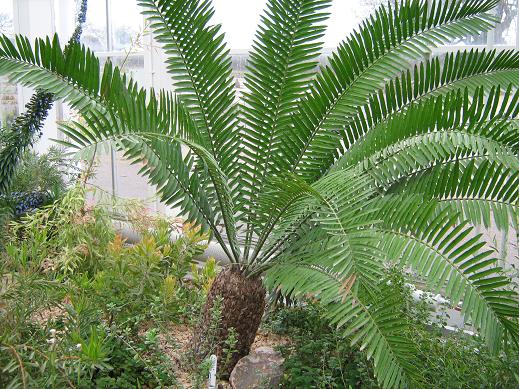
(491, 35)
(113, 157)
(517, 25)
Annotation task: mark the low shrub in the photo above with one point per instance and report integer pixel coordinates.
(51, 171)
(81, 308)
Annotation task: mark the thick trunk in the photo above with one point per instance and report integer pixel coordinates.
(242, 305)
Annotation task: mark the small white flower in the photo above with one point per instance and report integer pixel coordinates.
(78, 346)
(51, 340)
(52, 332)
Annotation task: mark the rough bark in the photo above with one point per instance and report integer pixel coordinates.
(242, 303)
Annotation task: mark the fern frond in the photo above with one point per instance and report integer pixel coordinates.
(416, 155)
(339, 207)
(373, 321)
(26, 128)
(484, 113)
(177, 182)
(114, 108)
(282, 61)
(468, 71)
(379, 327)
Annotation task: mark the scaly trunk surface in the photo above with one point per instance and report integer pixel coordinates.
(242, 305)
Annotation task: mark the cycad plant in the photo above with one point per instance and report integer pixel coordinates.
(320, 178)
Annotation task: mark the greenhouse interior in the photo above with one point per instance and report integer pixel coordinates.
(259, 194)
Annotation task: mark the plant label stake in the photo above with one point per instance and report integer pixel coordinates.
(212, 372)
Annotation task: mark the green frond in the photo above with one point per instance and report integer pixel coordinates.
(317, 274)
(74, 77)
(479, 192)
(414, 156)
(373, 321)
(165, 168)
(200, 67)
(468, 71)
(115, 108)
(486, 113)
(339, 207)
(452, 258)
(346, 216)
(279, 194)
(383, 47)
(378, 326)
(281, 63)
(440, 131)
(175, 176)
(178, 184)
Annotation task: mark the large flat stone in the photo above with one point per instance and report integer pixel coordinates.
(261, 369)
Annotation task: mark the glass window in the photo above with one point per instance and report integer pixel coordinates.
(506, 32)
(8, 92)
(127, 24)
(94, 30)
(6, 18)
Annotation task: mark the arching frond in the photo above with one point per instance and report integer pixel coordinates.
(378, 326)
(453, 259)
(177, 182)
(26, 128)
(281, 63)
(113, 107)
(480, 192)
(469, 71)
(200, 67)
(382, 48)
(484, 113)
(416, 155)
(373, 321)
(339, 207)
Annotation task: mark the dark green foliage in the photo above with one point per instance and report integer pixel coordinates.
(207, 89)
(319, 357)
(38, 181)
(51, 172)
(319, 178)
(22, 134)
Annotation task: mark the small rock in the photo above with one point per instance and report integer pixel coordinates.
(261, 369)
